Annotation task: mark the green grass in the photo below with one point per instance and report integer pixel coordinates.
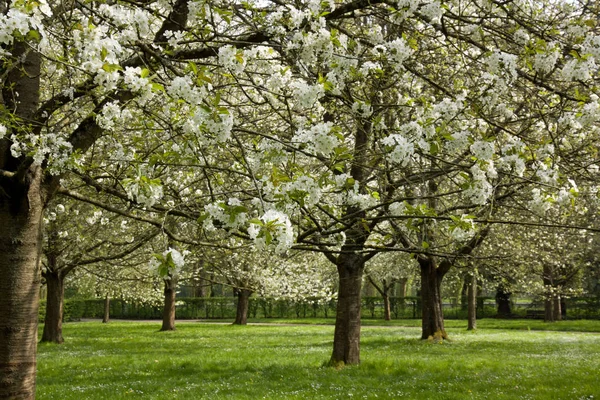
(127, 360)
(486, 323)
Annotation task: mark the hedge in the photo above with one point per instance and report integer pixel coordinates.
(372, 307)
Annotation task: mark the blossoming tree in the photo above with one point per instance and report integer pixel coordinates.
(336, 116)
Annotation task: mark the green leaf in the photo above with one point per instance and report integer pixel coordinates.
(112, 67)
(157, 87)
(103, 54)
(202, 218)
(34, 35)
(268, 238)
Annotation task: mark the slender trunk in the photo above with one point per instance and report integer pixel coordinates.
(20, 247)
(241, 314)
(548, 311)
(464, 293)
(402, 283)
(472, 303)
(503, 302)
(386, 307)
(431, 298)
(548, 303)
(346, 339)
(54, 307)
(169, 307)
(556, 309)
(106, 316)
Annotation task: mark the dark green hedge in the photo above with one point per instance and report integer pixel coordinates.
(372, 307)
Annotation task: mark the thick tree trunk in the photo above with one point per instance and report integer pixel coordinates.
(106, 316)
(169, 307)
(20, 249)
(22, 202)
(241, 314)
(503, 302)
(431, 299)
(346, 339)
(472, 303)
(55, 284)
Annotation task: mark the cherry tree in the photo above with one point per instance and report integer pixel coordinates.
(77, 236)
(329, 118)
(385, 271)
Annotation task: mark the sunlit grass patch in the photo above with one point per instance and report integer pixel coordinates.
(123, 360)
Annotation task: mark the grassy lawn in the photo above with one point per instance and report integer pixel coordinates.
(486, 323)
(127, 360)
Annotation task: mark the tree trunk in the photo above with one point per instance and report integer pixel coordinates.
(472, 303)
(169, 308)
(106, 316)
(431, 299)
(556, 309)
(22, 203)
(402, 283)
(20, 247)
(241, 314)
(464, 293)
(547, 278)
(386, 307)
(503, 302)
(548, 312)
(346, 338)
(55, 284)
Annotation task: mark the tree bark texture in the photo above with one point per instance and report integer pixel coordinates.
(431, 298)
(20, 247)
(472, 303)
(55, 284)
(168, 323)
(241, 314)
(106, 315)
(346, 338)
